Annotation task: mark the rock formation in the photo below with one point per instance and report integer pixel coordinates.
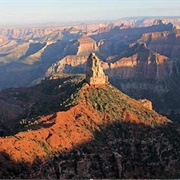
(136, 62)
(146, 103)
(94, 71)
(103, 134)
(165, 43)
(86, 45)
(158, 22)
(71, 64)
(139, 61)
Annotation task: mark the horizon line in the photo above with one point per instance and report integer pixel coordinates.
(76, 22)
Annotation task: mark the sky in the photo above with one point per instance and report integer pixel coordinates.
(17, 12)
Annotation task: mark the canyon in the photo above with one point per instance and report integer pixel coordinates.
(66, 106)
(78, 130)
(140, 57)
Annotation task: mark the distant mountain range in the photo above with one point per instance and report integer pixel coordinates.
(149, 17)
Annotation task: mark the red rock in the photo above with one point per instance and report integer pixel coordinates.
(54, 140)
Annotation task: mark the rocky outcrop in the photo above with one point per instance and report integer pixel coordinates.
(86, 45)
(146, 103)
(158, 22)
(75, 60)
(94, 71)
(102, 29)
(70, 64)
(137, 62)
(44, 46)
(165, 43)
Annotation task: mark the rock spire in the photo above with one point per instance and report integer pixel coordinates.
(94, 71)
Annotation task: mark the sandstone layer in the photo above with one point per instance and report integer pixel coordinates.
(94, 71)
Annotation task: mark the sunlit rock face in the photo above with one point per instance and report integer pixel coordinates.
(86, 45)
(146, 103)
(94, 71)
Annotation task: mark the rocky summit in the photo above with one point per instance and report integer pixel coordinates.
(94, 71)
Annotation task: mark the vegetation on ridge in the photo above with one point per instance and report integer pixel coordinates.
(101, 133)
(119, 106)
(50, 96)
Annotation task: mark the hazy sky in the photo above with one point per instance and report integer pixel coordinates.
(41, 11)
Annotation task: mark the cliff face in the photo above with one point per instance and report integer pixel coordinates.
(41, 47)
(86, 45)
(75, 63)
(165, 43)
(139, 72)
(141, 65)
(137, 62)
(94, 71)
(69, 64)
